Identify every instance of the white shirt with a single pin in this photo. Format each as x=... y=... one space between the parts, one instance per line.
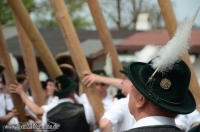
x=106 y=101
x=118 y=114
x=89 y=114
x=192 y=118
x=154 y=120
x=184 y=122
x=77 y=98
x=181 y=121
x=52 y=99
x=6 y=103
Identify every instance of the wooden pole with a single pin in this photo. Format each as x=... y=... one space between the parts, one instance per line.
x=30 y=64
x=76 y=52
x=171 y=24
x=35 y=37
x=105 y=36
x=10 y=78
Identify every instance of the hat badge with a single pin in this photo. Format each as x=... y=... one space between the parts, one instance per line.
x=58 y=86
x=165 y=83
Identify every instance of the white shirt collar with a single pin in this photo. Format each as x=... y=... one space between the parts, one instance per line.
x=65 y=100
x=154 y=120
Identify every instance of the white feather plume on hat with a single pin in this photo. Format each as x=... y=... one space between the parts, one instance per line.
x=108 y=68
x=175 y=48
x=42 y=76
x=14 y=63
x=146 y=54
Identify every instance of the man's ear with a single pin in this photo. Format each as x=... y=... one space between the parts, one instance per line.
x=141 y=101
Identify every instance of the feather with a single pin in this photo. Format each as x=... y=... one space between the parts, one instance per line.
x=42 y=76
x=176 y=47
x=146 y=54
x=108 y=68
x=14 y=63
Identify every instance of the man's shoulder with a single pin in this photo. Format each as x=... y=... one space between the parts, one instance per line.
x=156 y=128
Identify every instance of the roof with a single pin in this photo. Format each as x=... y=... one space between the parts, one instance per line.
x=156 y=37
x=55 y=40
x=92 y=46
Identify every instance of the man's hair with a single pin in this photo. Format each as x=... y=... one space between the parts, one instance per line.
x=49 y=80
x=3 y=79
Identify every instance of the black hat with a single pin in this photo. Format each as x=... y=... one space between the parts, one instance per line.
x=64 y=86
x=44 y=84
x=168 y=91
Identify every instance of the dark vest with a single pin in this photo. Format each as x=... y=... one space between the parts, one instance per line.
x=158 y=128
x=70 y=116
x=195 y=129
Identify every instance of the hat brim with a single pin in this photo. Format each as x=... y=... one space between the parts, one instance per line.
x=186 y=107
x=64 y=93
x=68 y=70
x=62 y=58
x=124 y=72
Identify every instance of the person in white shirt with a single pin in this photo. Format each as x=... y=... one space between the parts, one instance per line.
x=101 y=87
x=70 y=116
x=117 y=115
x=50 y=88
x=7 y=113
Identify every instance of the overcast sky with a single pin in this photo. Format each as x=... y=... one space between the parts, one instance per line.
x=185 y=8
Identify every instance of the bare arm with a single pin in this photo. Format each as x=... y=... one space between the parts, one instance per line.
x=16 y=88
x=105 y=125
x=91 y=78
x=7 y=117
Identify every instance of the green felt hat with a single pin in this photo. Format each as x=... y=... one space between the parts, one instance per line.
x=124 y=72
x=64 y=86
x=168 y=91
x=100 y=72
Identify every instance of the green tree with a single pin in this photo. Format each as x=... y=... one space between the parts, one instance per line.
x=6 y=17
x=45 y=17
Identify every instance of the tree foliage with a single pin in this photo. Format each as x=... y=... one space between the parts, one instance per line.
x=46 y=17
x=43 y=14
x=124 y=13
x=6 y=17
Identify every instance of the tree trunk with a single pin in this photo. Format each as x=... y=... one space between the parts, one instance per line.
x=170 y=21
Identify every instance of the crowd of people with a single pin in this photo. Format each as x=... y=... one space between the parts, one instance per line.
x=153 y=96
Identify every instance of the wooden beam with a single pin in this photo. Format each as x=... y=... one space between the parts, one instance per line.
x=30 y=64
x=35 y=37
x=10 y=78
x=76 y=52
x=105 y=36
x=171 y=24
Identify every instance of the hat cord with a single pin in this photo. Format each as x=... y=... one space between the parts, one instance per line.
x=151 y=93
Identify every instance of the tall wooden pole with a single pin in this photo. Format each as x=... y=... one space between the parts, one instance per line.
x=30 y=64
x=171 y=24
x=10 y=78
x=105 y=36
x=35 y=37
x=76 y=52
